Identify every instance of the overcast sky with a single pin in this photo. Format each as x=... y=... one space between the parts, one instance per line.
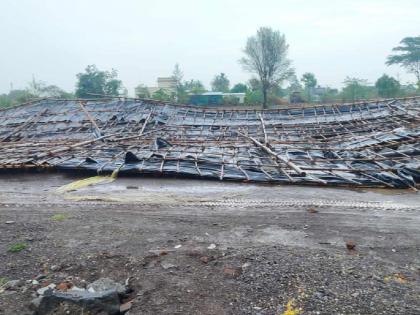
x=55 y=39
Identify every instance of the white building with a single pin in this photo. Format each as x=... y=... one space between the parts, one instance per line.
x=167 y=84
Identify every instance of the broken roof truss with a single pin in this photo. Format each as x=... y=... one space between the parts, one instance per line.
x=372 y=144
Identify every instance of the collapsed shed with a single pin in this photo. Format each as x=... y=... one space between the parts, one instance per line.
x=374 y=144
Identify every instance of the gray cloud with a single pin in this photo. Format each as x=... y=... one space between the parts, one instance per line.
x=54 y=40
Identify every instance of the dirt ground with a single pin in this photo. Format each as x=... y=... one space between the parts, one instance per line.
x=206 y=247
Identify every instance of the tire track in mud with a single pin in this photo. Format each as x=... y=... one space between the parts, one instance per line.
x=306 y=203
x=238 y=203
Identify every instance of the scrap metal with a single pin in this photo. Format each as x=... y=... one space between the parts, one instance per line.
x=362 y=144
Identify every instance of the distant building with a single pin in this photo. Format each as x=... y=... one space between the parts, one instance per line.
x=217 y=98
x=240 y=97
x=208 y=98
x=167 y=84
x=296 y=97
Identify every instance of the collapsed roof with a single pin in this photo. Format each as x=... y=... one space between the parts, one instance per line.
x=372 y=144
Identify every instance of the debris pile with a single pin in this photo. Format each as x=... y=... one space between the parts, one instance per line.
x=104 y=296
x=365 y=144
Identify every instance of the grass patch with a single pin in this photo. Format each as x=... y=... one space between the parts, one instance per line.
x=15 y=248
x=59 y=217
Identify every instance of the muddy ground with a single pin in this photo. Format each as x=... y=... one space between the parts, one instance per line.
x=200 y=247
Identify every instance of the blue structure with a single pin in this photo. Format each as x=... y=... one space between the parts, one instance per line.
x=207 y=99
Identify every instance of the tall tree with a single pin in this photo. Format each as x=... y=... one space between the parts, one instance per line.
x=161 y=95
x=178 y=75
x=295 y=85
x=34 y=89
x=194 y=86
x=220 y=83
x=355 y=89
x=254 y=84
x=309 y=81
x=5 y=101
x=239 y=88
x=295 y=90
x=94 y=82
x=329 y=95
x=38 y=88
x=142 y=91
x=408 y=56
x=15 y=97
x=253 y=97
x=387 y=86
x=266 y=55
x=56 y=92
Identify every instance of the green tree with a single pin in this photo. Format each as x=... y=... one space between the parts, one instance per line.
x=408 y=56
x=114 y=87
x=277 y=91
x=142 y=91
x=330 y=95
x=387 y=86
x=20 y=96
x=181 y=93
x=220 y=83
x=355 y=89
x=161 y=95
x=309 y=81
x=35 y=89
x=254 y=84
x=230 y=100
x=5 y=101
x=56 y=92
x=254 y=93
x=253 y=97
x=295 y=90
x=239 y=88
x=15 y=97
x=178 y=75
x=94 y=82
x=266 y=55
x=295 y=85
x=39 y=89
x=194 y=87
x=408 y=90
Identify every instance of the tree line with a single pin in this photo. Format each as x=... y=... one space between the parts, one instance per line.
x=266 y=58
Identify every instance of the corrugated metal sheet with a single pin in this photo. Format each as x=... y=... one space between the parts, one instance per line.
x=362 y=144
